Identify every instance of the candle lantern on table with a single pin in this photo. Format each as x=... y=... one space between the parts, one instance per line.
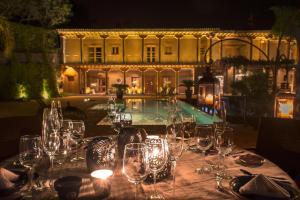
x=284 y=103
x=209 y=92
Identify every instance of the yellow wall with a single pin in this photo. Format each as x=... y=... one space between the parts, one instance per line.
x=188 y=48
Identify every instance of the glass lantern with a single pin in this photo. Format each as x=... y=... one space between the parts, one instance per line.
x=284 y=103
x=209 y=92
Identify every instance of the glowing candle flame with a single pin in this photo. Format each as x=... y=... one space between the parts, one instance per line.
x=102 y=173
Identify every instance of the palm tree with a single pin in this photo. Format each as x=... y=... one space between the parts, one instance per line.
x=287 y=23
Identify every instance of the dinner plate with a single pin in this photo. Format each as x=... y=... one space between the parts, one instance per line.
x=250 y=160
x=236 y=183
x=21 y=182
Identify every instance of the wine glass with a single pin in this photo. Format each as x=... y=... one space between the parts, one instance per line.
x=204 y=134
x=50 y=135
x=220 y=114
x=56 y=105
x=65 y=134
x=157 y=158
x=135 y=163
x=77 y=135
x=175 y=139
x=189 y=126
x=30 y=154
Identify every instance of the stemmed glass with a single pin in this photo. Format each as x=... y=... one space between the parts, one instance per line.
x=175 y=139
x=50 y=135
x=204 y=134
x=30 y=154
x=220 y=114
x=56 y=107
x=189 y=126
x=77 y=135
x=224 y=145
x=135 y=163
x=65 y=133
x=157 y=158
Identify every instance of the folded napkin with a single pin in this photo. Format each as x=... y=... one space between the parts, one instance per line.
x=264 y=186
x=6 y=179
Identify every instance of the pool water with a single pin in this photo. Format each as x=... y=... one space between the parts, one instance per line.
x=155 y=112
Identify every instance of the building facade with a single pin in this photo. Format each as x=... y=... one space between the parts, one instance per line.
x=154 y=60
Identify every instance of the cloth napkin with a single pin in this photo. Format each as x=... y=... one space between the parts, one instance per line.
x=264 y=186
x=6 y=179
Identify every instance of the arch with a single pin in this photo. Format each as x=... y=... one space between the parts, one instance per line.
x=235 y=39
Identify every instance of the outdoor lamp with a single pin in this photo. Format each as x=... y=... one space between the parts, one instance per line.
x=70 y=73
x=284 y=103
x=209 y=92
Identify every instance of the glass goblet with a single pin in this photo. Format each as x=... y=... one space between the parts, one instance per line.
x=175 y=139
x=77 y=135
x=204 y=134
x=30 y=154
x=157 y=158
x=135 y=163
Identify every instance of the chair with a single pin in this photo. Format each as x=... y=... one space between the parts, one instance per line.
x=279 y=141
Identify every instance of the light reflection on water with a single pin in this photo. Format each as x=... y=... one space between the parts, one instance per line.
x=155 y=112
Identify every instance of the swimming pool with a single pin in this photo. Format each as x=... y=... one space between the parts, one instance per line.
x=155 y=112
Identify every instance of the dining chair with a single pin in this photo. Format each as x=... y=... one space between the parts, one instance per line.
x=279 y=141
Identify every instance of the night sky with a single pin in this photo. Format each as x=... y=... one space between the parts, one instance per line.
x=225 y=14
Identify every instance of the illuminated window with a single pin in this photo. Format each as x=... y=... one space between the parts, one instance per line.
x=150 y=54
x=168 y=50
x=95 y=54
x=115 y=51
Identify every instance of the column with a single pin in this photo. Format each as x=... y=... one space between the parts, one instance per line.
x=221 y=46
x=197 y=36
x=124 y=69
x=104 y=36
x=288 y=48
x=81 y=37
x=123 y=47
x=79 y=80
x=251 y=47
x=178 y=36
x=158 y=69
x=211 y=36
x=106 y=70
x=142 y=70
x=159 y=36
x=143 y=45
x=176 y=79
x=63 y=48
x=84 y=80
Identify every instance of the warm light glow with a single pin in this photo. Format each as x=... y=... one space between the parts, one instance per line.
x=45 y=93
x=209 y=99
x=70 y=72
x=22 y=92
x=285 y=109
x=102 y=174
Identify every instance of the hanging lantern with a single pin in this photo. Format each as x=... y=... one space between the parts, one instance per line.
x=209 y=92
x=284 y=103
x=70 y=73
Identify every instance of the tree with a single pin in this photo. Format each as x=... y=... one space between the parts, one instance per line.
x=254 y=88
x=287 y=23
x=46 y=13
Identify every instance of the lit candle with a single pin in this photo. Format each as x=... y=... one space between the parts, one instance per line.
x=209 y=99
x=102 y=174
x=101 y=182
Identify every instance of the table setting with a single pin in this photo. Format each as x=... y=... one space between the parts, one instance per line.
x=183 y=161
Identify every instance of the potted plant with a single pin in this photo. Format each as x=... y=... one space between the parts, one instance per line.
x=120 y=88
x=188 y=91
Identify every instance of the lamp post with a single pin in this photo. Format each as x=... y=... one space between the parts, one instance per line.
x=209 y=92
x=284 y=103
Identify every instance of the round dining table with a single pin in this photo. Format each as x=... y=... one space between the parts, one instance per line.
x=189 y=183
